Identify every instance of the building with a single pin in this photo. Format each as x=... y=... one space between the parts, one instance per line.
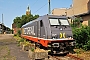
x=14 y=27
x=28 y=11
x=59 y=11
x=80 y=8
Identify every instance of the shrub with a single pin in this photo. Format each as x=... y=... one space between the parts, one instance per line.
x=82 y=37
x=87 y=46
x=21 y=40
x=19 y=33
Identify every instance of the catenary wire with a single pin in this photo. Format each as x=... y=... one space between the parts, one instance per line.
x=41 y=7
x=34 y=4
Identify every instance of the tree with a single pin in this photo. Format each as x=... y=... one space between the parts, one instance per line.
x=36 y=16
x=19 y=21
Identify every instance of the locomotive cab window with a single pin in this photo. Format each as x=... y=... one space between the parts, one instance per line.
x=58 y=21
x=64 y=21
x=41 y=23
x=54 y=22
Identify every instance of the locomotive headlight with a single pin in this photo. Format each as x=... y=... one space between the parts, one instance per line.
x=70 y=37
x=61 y=28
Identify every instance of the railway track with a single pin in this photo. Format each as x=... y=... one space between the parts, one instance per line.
x=67 y=57
x=74 y=57
x=63 y=57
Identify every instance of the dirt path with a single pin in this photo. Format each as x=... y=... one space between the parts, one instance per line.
x=9 y=49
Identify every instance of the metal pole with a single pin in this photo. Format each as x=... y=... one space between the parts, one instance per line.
x=73 y=18
x=49 y=11
x=2 y=18
x=73 y=9
x=2 y=24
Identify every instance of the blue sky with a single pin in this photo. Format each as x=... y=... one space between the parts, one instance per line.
x=13 y=8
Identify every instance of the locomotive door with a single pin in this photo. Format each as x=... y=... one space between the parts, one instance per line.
x=40 y=24
x=38 y=27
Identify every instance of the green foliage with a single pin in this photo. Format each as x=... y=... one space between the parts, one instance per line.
x=87 y=46
x=88 y=22
x=32 y=49
x=76 y=22
x=19 y=21
x=21 y=40
x=19 y=33
x=82 y=36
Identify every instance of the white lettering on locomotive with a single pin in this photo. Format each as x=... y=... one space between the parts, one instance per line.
x=29 y=30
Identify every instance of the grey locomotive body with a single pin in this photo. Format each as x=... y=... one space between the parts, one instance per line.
x=50 y=31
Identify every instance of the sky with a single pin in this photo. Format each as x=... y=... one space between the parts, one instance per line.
x=16 y=8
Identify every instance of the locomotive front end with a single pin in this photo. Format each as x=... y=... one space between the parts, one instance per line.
x=61 y=35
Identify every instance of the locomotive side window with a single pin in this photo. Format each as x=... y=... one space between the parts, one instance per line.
x=41 y=23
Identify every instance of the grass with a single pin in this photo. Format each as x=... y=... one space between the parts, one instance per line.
x=82 y=54
x=17 y=37
x=5 y=53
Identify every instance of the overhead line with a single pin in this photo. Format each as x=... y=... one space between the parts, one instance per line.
x=34 y=3
x=40 y=7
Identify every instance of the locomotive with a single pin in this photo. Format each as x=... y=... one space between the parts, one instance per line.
x=50 y=31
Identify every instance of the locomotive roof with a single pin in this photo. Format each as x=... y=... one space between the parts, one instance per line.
x=56 y=16
x=31 y=21
x=42 y=17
